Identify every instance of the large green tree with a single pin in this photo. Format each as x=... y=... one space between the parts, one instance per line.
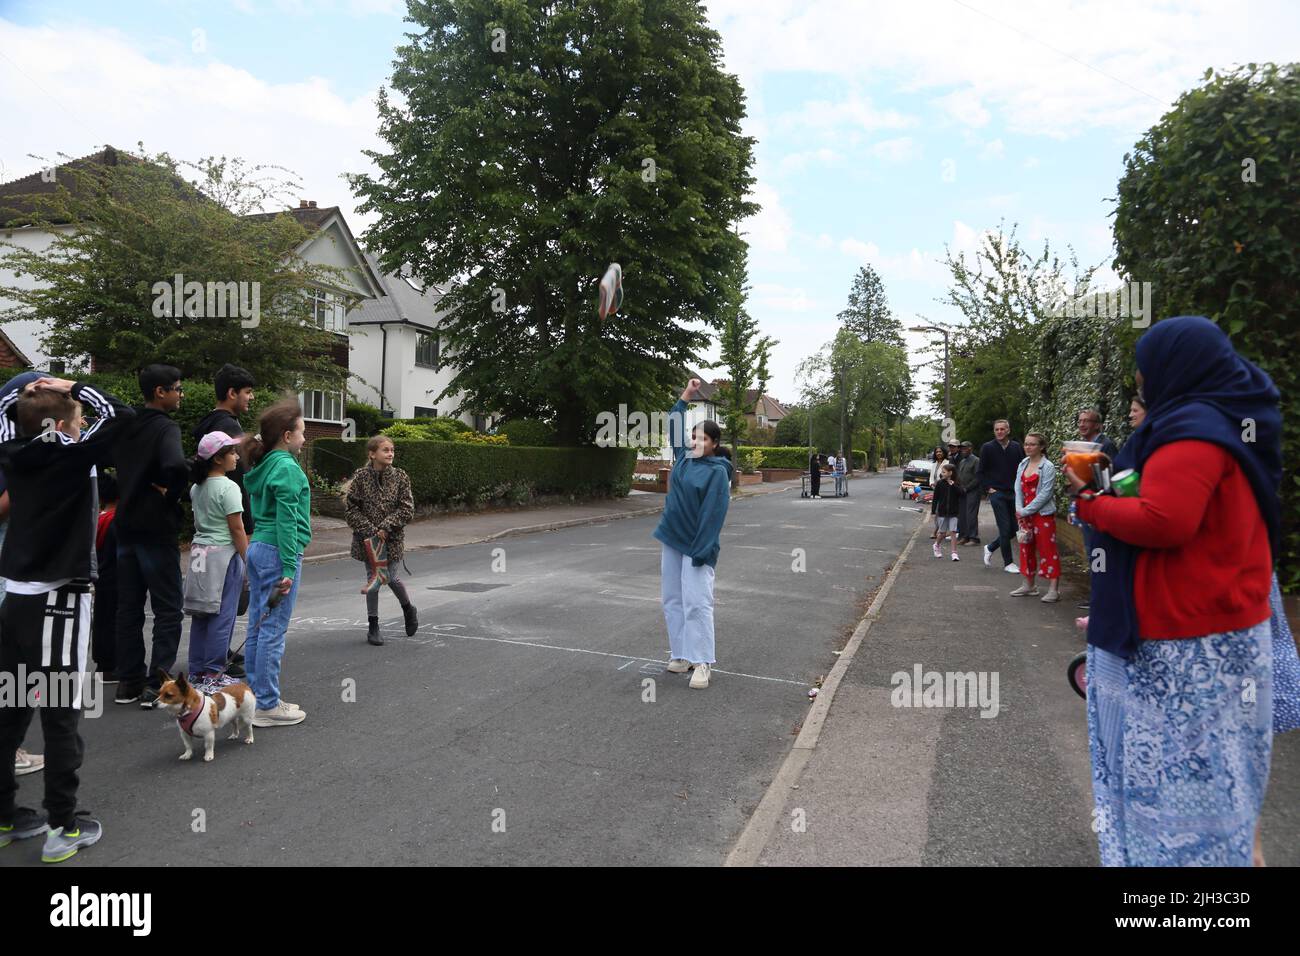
x=529 y=144
x=867 y=314
x=1208 y=212
x=139 y=221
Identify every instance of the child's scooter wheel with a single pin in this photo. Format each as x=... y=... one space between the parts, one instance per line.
x=1077 y=673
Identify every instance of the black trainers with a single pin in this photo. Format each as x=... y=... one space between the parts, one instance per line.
x=412 y=620
x=148 y=698
x=26 y=823
x=128 y=691
x=235 y=666
x=372 y=634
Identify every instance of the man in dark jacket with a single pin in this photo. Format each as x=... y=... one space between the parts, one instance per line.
x=999 y=460
x=152 y=474
x=234 y=388
x=968 y=531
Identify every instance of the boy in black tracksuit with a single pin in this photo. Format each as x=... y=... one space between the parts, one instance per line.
x=152 y=475
x=49 y=565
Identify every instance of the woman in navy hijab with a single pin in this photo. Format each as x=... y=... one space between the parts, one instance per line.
x=1179 y=660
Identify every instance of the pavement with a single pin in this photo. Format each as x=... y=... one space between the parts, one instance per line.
x=885 y=785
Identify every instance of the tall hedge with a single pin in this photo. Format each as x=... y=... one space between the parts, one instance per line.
x=445 y=473
x=1208 y=211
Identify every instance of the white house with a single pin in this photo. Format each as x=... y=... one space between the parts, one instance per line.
x=397 y=362
x=704 y=408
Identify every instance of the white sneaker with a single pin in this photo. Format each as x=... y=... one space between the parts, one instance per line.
x=954 y=556
x=1012 y=568
x=700 y=679
x=278 y=716
x=988 y=557
x=1025 y=590
x=938 y=552
x=1051 y=597
x=678 y=666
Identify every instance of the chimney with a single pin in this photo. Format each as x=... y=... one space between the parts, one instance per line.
x=312 y=204
x=302 y=204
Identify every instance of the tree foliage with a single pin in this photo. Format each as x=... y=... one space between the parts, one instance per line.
x=529 y=144
x=867 y=314
x=138 y=222
x=1003 y=291
x=1208 y=211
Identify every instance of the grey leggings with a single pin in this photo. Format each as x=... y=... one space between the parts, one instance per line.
x=394 y=582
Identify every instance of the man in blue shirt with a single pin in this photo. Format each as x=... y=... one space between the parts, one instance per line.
x=999 y=460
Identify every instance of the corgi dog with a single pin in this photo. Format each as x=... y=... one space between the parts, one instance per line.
x=200 y=715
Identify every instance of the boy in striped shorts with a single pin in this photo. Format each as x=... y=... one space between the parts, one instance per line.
x=48 y=563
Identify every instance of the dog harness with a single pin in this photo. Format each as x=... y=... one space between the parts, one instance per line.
x=187 y=718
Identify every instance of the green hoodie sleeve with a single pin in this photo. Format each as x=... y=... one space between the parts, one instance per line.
x=292 y=496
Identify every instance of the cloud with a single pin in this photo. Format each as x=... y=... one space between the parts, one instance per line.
x=769 y=230
x=798 y=162
x=1058 y=70
x=992 y=150
x=78 y=88
x=895 y=150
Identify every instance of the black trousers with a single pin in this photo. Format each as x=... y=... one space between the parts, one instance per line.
x=50 y=634
x=968 y=517
x=151 y=568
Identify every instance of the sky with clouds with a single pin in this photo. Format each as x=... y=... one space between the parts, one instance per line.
x=886 y=131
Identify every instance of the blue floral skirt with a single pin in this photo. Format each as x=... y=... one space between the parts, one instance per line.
x=1181 y=736
x=1286 y=668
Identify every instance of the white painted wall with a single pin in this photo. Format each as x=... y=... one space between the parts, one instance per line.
x=27 y=334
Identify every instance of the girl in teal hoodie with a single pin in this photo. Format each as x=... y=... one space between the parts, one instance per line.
x=281 y=501
x=699 y=491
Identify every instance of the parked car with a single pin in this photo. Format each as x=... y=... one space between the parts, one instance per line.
x=918 y=469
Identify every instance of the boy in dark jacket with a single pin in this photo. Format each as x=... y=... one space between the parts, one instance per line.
x=49 y=563
x=234 y=387
x=152 y=475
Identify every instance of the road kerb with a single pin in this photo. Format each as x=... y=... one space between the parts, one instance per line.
x=758 y=832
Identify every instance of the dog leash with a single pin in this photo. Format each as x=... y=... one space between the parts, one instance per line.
x=271 y=602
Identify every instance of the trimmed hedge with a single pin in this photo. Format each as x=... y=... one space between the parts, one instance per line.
x=787 y=456
x=528 y=432
x=445 y=473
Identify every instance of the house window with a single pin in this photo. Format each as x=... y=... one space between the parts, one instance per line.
x=426 y=350
x=423 y=412
x=58 y=367
x=321 y=406
x=328 y=311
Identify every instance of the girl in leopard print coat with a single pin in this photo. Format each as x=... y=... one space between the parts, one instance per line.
x=379 y=506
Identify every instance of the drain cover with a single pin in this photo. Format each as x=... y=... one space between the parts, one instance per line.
x=473 y=587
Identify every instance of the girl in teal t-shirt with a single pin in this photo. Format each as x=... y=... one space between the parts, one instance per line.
x=215 y=576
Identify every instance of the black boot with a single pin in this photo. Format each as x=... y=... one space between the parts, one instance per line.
x=412 y=621
x=373 y=636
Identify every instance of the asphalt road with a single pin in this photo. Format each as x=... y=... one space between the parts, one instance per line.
x=514 y=728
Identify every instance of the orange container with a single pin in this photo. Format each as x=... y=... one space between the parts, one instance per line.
x=1080 y=456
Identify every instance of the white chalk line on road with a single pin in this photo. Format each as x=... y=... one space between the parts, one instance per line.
x=548 y=647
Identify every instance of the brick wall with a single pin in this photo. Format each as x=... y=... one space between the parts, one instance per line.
x=322 y=430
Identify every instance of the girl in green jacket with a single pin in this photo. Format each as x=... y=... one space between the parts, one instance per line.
x=281 y=501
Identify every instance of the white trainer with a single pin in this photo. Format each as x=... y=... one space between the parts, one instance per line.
x=938 y=552
x=281 y=715
x=988 y=557
x=1012 y=568
x=1025 y=591
x=700 y=679
x=954 y=556
x=678 y=665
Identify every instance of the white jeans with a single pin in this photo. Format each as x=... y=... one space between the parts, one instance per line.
x=688 y=606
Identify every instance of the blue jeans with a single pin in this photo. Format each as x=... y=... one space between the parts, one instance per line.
x=1003 y=504
x=264 y=648
x=210 y=633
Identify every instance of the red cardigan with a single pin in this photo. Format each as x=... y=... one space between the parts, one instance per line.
x=1206 y=565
